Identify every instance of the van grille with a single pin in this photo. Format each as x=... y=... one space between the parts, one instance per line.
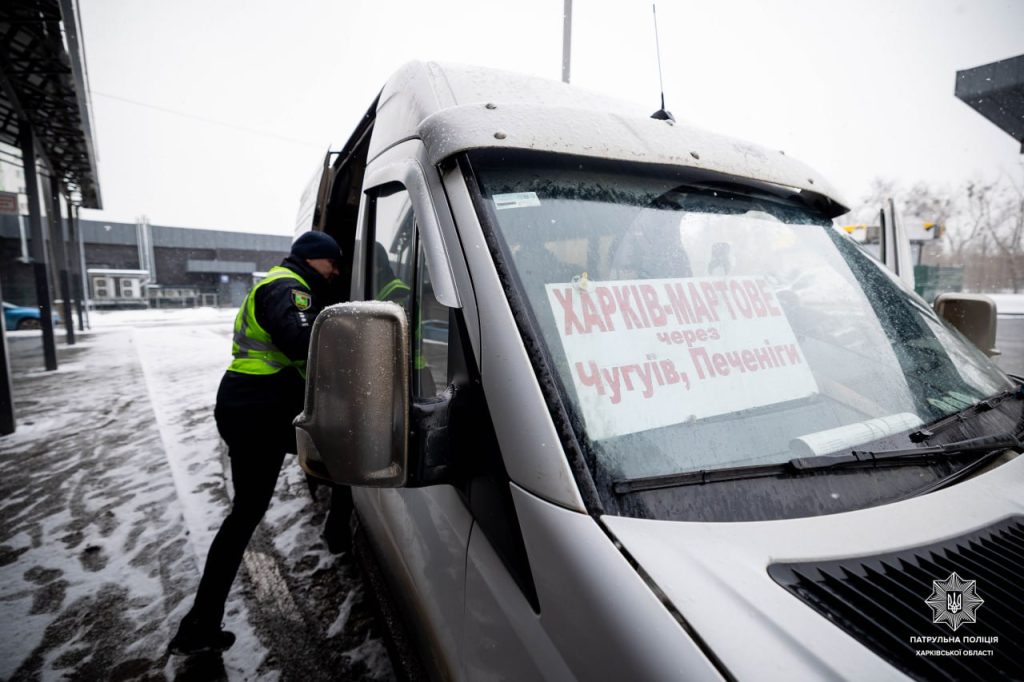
x=880 y=601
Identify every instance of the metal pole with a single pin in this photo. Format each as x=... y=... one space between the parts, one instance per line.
x=60 y=256
x=140 y=242
x=75 y=258
x=24 y=238
x=28 y=157
x=7 y=421
x=150 y=252
x=566 y=40
x=82 y=264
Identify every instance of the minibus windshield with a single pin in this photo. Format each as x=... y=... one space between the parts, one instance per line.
x=697 y=323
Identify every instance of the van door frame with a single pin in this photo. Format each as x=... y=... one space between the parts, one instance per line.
x=418 y=536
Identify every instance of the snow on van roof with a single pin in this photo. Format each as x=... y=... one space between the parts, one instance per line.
x=455 y=108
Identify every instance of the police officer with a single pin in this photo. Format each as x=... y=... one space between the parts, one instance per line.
x=261 y=392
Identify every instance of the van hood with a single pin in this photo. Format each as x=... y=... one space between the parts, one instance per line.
x=735 y=585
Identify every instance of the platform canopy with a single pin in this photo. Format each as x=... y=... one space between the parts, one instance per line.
x=44 y=82
x=996 y=91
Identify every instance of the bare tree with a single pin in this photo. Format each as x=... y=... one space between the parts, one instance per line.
x=866 y=211
x=935 y=205
x=975 y=219
x=1005 y=225
x=982 y=221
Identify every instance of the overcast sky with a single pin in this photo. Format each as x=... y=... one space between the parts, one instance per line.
x=855 y=89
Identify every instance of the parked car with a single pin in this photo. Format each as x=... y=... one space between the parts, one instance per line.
x=17 y=317
x=680 y=426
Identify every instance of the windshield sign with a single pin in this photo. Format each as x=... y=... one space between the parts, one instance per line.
x=642 y=349
x=696 y=325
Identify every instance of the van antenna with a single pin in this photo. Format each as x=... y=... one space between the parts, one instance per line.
x=661 y=114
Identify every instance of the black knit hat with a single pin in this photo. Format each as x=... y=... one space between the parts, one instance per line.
x=316 y=245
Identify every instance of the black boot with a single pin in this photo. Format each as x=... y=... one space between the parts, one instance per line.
x=195 y=637
x=337 y=531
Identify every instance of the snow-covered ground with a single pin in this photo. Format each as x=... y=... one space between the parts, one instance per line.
x=1008 y=304
x=104 y=319
x=111 y=490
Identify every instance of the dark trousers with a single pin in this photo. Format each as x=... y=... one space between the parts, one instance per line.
x=257 y=440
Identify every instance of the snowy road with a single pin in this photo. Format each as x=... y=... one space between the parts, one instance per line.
x=110 y=492
x=1010 y=342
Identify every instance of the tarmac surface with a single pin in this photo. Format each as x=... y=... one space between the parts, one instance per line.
x=110 y=491
x=1010 y=342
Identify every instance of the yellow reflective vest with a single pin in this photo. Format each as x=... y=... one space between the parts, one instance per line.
x=393 y=291
x=252 y=347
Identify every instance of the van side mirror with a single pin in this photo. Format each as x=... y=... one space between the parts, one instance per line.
x=354 y=427
x=974 y=316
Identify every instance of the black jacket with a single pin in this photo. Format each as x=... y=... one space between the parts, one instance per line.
x=289 y=325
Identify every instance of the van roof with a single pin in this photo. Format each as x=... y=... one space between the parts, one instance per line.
x=455 y=108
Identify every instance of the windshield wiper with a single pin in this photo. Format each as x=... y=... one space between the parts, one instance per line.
x=804 y=465
x=960 y=416
x=960 y=447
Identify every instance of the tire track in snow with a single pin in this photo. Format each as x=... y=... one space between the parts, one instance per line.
x=192 y=502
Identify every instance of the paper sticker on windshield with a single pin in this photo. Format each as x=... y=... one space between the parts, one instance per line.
x=655 y=352
x=515 y=200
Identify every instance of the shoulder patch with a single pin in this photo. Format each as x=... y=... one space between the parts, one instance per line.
x=301 y=299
